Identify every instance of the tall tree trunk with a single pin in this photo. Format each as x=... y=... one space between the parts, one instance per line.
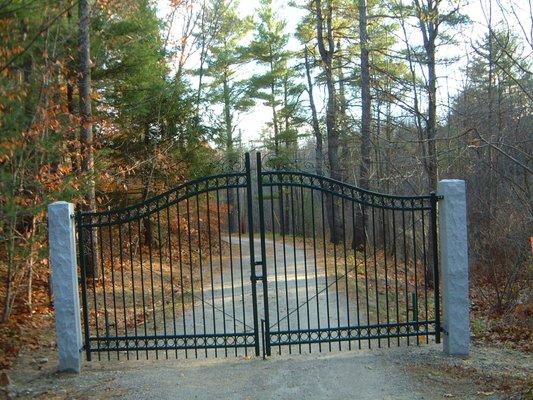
x=147 y=224
x=288 y=204
x=432 y=150
x=273 y=105
x=359 y=238
x=72 y=147
x=86 y=131
x=326 y=54
x=319 y=154
x=490 y=116
x=286 y=121
x=429 y=30
x=429 y=35
x=230 y=154
x=432 y=120
x=202 y=58
x=343 y=122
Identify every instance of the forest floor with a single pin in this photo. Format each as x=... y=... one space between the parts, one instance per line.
x=393 y=373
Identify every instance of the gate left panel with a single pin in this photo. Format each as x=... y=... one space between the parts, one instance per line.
x=170 y=277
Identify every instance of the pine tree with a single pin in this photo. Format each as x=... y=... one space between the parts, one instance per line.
x=226 y=87
x=276 y=85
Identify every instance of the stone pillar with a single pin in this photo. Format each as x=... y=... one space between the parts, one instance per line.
x=453 y=246
x=62 y=247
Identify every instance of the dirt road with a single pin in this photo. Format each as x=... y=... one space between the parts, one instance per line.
x=396 y=373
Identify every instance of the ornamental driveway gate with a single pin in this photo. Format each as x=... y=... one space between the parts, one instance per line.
x=260 y=260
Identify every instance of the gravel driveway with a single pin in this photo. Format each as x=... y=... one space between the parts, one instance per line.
x=397 y=373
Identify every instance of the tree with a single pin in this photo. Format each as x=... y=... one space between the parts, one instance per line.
x=86 y=132
x=433 y=16
x=86 y=128
x=319 y=154
x=35 y=165
x=276 y=85
x=365 y=98
x=490 y=149
x=326 y=48
x=226 y=87
x=209 y=29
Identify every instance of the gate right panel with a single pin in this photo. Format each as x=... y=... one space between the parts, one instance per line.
x=347 y=268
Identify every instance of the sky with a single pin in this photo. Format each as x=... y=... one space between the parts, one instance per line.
x=450 y=78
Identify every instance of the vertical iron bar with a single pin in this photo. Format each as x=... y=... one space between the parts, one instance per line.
x=221 y=268
x=79 y=225
x=375 y=271
x=182 y=280
x=106 y=317
x=415 y=305
x=356 y=272
x=334 y=234
x=274 y=251
x=96 y=308
x=283 y=233
x=315 y=264
x=435 y=265
x=241 y=266
x=240 y=231
x=252 y=250
x=230 y=232
x=121 y=258
x=425 y=268
x=396 y=276
x=346 y=291
x=152 y=287
x=159 y=241
x=384 y=230
x=305 y=261
x=325 y=266
x=210 y=245
x=263 y=337
x=133 y=286
x=200 y=264
x=406 y=274
x=142 y=284
x=263 y=252
x=189 y=237
x=365 y=264
x=169 y=241
x=113 y=283
x=293 y=231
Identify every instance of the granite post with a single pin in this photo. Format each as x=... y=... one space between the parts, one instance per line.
x=453 y=246
x=62 y=247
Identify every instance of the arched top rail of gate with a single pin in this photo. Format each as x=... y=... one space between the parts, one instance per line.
x=164 y=200
x=283 y=178
x=270 y=177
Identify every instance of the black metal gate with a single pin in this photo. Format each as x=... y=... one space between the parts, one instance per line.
x=178 y=274
x=347 y=267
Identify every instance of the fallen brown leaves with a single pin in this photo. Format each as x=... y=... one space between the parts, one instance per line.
x=23 y=330
x=488 y=372
x=511 y=329
x=490 y=383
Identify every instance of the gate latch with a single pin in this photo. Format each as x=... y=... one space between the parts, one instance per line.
x=258 y=277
